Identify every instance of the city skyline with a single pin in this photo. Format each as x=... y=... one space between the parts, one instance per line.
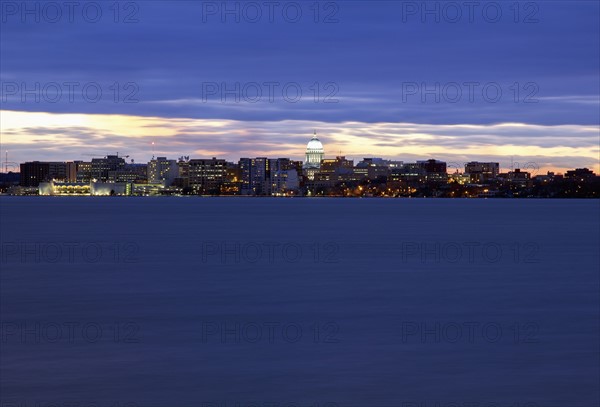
x=315 y=176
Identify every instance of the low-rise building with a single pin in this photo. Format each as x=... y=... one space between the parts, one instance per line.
x=52 y=188
x=482 y=171
x=372 y=168
x=580 y=174
x=110 y=188
x=435 y=171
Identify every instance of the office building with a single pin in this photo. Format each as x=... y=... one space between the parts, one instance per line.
x=162 y=171
x=101 y=167
x=206 y=176
x=34 y=172
x=482 y=171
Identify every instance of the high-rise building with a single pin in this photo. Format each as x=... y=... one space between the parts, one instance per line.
x=32 y=173
x=70 y=172
x=102 y=166
x=183 y=165
x=233 y=180
x=254 y=175
x=314 y=156
x=83 y=171
x=245 y=168
x=183 y=177
x=132 y=173
x=206 y=176
x=283 y=176
x=162 y=171
x=268 y=176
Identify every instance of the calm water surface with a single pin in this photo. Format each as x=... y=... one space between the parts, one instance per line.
x=221 y=302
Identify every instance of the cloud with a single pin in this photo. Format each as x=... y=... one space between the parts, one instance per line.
x=171 y=51
x=577 y=99
x=73 y=136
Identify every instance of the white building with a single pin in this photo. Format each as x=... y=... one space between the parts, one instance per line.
x=110 y=188
x=314 y=156
x=63 y=188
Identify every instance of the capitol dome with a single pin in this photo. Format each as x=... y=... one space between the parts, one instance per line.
x=314 y=153
x=314 y=145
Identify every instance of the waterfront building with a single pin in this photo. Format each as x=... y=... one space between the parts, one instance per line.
x=268 y=176
x=71 y=172
x=63 y=188
x=283 y=177
x=254 y=174
x=206 y=176
x=182 y=180
x=233 y=180
x=183 y=165
x=101 y=167
x=148 y=189
x=132 y=173
x=34 y=172
x=83 y=171
x=110 y=188
x=162 y=171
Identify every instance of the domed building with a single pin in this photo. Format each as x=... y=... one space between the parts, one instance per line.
x=314 y=156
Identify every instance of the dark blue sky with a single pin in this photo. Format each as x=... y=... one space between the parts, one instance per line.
x=369 y=60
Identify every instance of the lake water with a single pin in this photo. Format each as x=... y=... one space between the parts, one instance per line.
x=220 y=302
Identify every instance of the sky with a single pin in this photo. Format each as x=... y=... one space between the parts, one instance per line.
x=506 y=81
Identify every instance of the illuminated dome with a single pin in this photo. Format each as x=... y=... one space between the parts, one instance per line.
x=314 y=153
x=314 y=145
